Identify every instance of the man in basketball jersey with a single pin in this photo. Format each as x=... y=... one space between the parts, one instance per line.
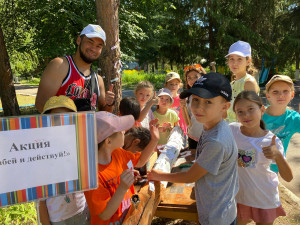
x=73 y=77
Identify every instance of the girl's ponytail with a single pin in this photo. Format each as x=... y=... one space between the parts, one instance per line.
x=262 y=124
x=251 y=69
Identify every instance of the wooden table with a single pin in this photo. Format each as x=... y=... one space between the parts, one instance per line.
x=178 y=200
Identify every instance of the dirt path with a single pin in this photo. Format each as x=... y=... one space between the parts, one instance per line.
x=23 y=89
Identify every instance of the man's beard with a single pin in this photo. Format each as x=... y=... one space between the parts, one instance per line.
x=84 y=57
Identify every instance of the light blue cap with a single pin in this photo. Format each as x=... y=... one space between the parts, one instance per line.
x=240 y=48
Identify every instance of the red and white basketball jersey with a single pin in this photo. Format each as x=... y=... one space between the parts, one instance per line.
x=76 y=85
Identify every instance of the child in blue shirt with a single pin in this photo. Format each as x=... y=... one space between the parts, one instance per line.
x=279 y=119
x=215 y=169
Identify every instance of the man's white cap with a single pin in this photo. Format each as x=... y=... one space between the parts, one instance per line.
x=94 y=31
x=240 y=48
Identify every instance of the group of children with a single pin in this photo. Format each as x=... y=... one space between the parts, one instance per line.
x=240 y=144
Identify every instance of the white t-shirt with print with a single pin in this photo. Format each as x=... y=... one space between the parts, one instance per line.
x=258 y=184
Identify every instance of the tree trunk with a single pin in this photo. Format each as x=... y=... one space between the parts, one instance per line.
x=211 y=38
x=146 y=68
x=163 y=65
x=156 y=66
x=109 y=62
x=7 y=89
x=297 y=66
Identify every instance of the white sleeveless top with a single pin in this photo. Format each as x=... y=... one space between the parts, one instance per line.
x=64 y=207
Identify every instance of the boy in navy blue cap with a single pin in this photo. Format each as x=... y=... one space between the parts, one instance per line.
x=215 y=170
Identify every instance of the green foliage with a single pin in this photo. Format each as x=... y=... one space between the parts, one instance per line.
x=130 y=32
x=58 y=23
x=290 y=71
x=34 y=81
x=18 y=214
x=36 y=30
x=135 y=77
x=18 y=36
x=289 y=19
x=173 y=32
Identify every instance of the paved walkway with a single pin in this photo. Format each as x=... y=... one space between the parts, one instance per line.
x=23 y=89
x=32 y=90
x=293 y=158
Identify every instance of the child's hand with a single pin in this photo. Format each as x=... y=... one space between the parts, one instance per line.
x=167 y=125
x=271 y=152
x=126 y=179
x=154 y=100
x=153 y=175
x=182 y=103
x=161 y=129
x=137 y=175
x=154 y=129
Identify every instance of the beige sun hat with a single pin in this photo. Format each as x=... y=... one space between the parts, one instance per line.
x=172 y=76
x=59 y=102
x=277 y=78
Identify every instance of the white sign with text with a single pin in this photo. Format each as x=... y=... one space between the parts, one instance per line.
x=36 y=157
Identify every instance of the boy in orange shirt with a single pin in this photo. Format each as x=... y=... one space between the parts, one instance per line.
x=110 y=202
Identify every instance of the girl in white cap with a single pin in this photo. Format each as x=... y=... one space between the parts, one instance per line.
x=167 y=118
x=240 y=64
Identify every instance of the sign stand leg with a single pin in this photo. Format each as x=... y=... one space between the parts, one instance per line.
x=37 y=205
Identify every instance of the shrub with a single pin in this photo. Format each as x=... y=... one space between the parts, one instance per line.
x=132 y=77
x=19 y=214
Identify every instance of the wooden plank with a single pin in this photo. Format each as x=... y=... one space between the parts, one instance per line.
x=142 y=213
x=178 y=200
x=176 y=214
x=151 y=161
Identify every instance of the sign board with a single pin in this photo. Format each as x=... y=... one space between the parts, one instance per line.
x=43 y=156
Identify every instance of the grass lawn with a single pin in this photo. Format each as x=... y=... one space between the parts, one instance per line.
x=34 y=81
x=23 y=100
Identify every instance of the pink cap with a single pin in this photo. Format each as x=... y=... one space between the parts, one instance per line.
x=108 y=124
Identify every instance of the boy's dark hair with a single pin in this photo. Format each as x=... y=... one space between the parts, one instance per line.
x=141 y=133
x=130 y=106
x=252 y=97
